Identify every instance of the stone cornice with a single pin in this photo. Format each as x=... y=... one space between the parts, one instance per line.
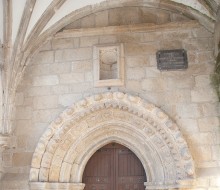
x=125 y=28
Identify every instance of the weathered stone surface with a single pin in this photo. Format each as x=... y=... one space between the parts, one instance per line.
x=140 y=49
x=69 y=99
x=73 y=54
x=202 y=153
x=38 y=70
x=209 y=124
x=101 y=19
x=19 y=99
x=124 y=16
x=45 y=102
x=203 y=95
x=82 y=66
x=88 y=41
x=135 y=74
x=133 y=86
x=65 y=43
x=154 y=84
x=59 y=68
x=137 y=61
x=22 y=159
x=177 y=97
x=71 y=78
x=186 y=96
x=189 y=111
x=211 y=109
x=110 y=39
x=202 y=80
x=88 y=22
x=46 y=80
x=189 y=125
x=44 y=116
x=152 y=72
x=44 y=57
x=216 y=155
x=24 y=112
x=39 y=90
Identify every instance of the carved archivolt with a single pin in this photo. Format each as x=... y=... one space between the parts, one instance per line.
x=69 y=142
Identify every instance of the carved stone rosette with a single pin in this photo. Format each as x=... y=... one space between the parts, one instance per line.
x=68 y=143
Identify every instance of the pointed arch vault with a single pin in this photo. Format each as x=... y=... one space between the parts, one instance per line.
x=69 y=142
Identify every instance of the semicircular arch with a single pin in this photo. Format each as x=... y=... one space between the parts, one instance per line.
x=68 y=143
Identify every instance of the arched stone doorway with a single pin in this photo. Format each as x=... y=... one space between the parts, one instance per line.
x=69 y=142
x=114 y=167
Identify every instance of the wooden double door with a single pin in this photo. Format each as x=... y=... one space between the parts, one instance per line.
x=114 y=167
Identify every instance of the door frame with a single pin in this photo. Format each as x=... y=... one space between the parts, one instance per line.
x=114 y=148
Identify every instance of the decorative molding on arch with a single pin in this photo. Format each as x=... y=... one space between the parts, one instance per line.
x=69 y=142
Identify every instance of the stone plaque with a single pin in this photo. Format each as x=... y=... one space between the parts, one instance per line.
x=172 y=59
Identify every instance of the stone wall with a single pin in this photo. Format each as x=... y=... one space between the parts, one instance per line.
x=62 y=73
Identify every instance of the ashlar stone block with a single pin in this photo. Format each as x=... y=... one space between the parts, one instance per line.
x=209 y=124
x=60 y=68
x=46 y=80
x=101 y=19
x=88 y=22
x=44 y=57
x=88 y=41
x=154 y=84
x=137 y=61
x=24 y=112
x=22 y=159
x=189 y=111
x=203 y=95
x=45 y=102
x=135 y=73
x=202 y=80
x=72 y=78
x=73 y=54
x=38 y=90
x=64 y=43
x=69 y=99
x=133 y=85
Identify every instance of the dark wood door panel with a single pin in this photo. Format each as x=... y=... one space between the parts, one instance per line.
x=98 y=174
x=114 y=167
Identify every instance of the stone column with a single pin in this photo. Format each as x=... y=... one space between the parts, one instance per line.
x=1 y=89
x=4 y=143
x=217 y=33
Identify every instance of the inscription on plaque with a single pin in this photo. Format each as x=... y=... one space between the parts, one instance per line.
x=172 y=59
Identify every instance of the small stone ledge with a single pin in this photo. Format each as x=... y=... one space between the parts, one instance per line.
x=56 y=186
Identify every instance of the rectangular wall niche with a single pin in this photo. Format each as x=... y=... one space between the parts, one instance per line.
x=108 y=63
